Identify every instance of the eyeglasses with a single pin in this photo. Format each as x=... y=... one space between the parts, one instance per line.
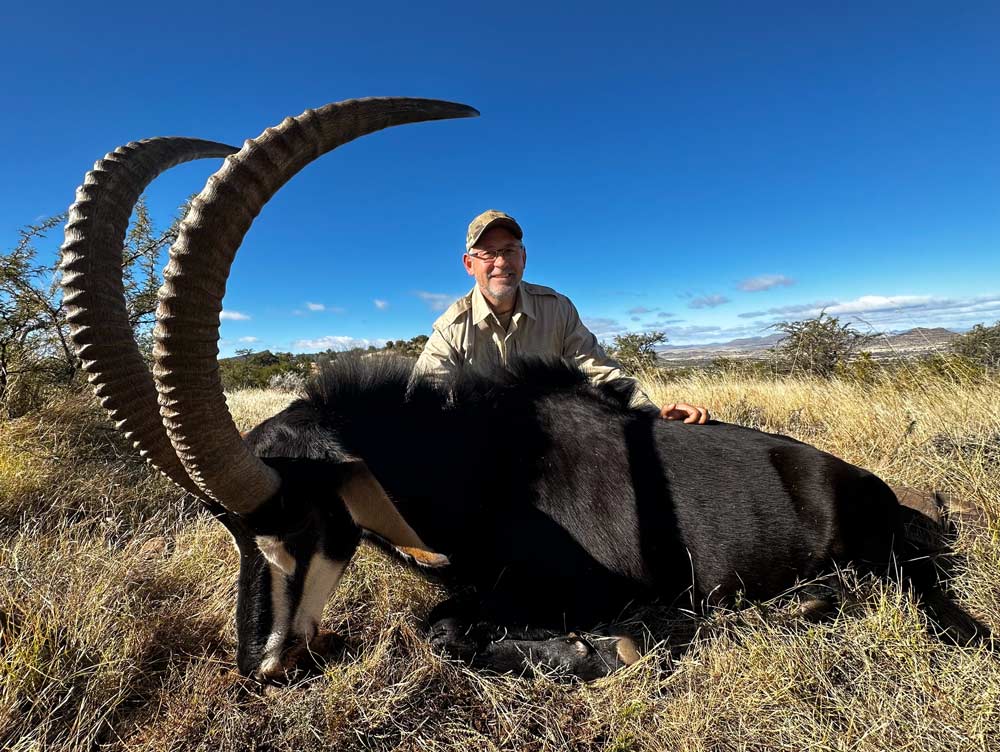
x=492 y=255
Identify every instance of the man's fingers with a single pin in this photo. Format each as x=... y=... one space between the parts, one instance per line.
x=683 y=411
x=697 y=415
x=690 y=414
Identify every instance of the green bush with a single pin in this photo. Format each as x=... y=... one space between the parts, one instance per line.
x=863 y=369
x=634 y=352
x=817 y=347
x=250 y=370
x=410 y=348
x=981 y=345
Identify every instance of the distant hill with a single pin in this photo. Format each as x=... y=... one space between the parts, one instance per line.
x=917 y=341
x=744 y=345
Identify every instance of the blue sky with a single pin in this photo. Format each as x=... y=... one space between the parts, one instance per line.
x=702 y=171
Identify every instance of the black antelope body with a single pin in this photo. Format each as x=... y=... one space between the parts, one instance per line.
x=548 y=499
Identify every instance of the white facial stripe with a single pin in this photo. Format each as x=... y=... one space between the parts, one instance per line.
x=322 y=576
x=276 y=553
x=280 y=613
x=321 y=579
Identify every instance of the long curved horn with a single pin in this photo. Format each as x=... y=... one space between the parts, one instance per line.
x=94 y=294
x=186 y=336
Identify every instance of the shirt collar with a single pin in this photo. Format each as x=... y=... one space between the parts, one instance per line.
x=525 y=301
x=481 y=309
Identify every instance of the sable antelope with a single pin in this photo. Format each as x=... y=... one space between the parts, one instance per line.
x=568 y=506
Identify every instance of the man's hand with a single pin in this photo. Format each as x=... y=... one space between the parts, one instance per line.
x=684 y=411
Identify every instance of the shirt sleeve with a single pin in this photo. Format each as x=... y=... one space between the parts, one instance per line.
x=439 y=358
x=581 y=347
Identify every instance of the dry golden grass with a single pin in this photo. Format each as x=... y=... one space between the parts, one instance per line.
x=252 y=406
x=116 y=603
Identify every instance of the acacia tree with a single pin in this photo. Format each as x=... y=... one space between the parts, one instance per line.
x=35 y=351
x=33 y=333
x=635 y=351
x=818 y=346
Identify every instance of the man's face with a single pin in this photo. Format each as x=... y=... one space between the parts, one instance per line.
x=497 y=279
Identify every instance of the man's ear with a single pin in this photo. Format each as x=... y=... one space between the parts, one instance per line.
x=468 y=261
x=372 y=510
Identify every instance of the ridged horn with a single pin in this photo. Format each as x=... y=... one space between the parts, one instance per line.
x=94 y=294
x=187 y=331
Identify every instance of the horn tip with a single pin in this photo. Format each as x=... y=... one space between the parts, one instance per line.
x=468 y=111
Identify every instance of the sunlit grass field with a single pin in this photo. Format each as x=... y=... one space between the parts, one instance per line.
x=116 y=610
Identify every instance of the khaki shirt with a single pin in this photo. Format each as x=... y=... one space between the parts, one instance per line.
x=544 y=323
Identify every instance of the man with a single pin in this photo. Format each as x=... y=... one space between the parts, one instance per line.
x=503 y=317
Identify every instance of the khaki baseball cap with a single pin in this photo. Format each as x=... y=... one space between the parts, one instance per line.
x=486 y=220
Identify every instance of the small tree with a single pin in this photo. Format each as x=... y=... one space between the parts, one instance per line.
x=635 y=351
x=981 y=345
x=818 y=346
x=36 y=354
x=34 y=346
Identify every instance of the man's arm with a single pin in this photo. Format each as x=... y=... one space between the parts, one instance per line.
x=439 y=358
x=581 y=347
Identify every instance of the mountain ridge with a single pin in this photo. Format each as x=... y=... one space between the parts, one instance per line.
x=916 y=341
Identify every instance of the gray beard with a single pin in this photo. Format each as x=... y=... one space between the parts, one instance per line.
x=505 y=294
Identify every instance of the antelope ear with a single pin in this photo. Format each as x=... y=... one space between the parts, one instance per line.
x=373 y=510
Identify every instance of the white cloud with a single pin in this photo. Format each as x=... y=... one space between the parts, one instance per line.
x=668 y=315
x=695 y=331
x=381 y=304
x=708 y=301
x=807 y=308
x=437 y=301
x=638 y=310
x=318 y=308
x=907 y=311
x=233 y=316
x=334 y=342
x=603 y=327
x=876 y=303
x=765 y=282
x=249 y=339
x=895 y=311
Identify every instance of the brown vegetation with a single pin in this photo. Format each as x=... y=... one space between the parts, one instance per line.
x=116 y=603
